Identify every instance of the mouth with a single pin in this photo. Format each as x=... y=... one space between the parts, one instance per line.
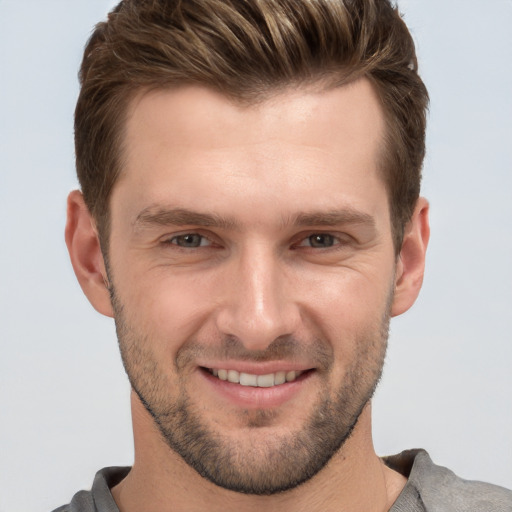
x=258 y=386
x=268 y=380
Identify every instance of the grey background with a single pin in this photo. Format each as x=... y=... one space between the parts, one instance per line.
x=64 y=399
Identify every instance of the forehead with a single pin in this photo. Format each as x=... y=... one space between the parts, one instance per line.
x=192 y=144
x=319 y=115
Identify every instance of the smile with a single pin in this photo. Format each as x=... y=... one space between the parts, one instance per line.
x=261 y=381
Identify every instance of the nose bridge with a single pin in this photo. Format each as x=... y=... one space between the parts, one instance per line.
x=258 y=309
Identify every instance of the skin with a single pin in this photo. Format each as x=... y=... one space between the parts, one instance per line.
x=271 y=177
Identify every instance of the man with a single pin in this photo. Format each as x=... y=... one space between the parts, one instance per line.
x=250 y=216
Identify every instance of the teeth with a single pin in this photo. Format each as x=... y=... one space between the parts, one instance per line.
x=246 y=379
x=279 y=378
x=261 y=381
x=233 y=376
x=266 y=381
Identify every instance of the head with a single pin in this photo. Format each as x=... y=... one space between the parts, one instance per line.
x=251 y=170
x=249 y=51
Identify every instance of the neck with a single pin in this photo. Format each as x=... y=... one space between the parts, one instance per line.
x=354 y=480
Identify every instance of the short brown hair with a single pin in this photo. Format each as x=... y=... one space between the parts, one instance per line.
x=247 y=50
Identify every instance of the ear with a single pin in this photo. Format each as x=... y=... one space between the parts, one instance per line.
x=85 y=253
x=411 y=261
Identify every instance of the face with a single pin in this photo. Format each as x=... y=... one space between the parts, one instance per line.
x=252 y=272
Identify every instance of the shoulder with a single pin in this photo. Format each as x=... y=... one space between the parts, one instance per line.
x=440 y=490
x=99 y=498
x=82 y=502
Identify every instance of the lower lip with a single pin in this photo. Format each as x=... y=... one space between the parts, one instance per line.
x=251 y=397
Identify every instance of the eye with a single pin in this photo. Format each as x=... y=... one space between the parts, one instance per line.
x=189 y=240
x=320 y=241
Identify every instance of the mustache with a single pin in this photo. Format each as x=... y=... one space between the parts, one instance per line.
x=317 y=353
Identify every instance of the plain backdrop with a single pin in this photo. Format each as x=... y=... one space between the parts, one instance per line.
x=447 y=386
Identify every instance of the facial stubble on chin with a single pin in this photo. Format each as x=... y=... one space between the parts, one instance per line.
x=275 y=464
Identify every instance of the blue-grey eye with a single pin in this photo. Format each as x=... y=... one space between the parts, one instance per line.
x=190 y=240
x=321 y=240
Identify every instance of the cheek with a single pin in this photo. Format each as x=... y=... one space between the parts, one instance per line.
x=167 y=307
x=350 y=312
x=171 y=306
x=348 y=298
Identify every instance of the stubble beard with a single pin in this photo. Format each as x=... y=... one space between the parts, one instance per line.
x=275 y=464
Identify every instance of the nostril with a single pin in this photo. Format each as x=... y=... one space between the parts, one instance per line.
x=256 y=332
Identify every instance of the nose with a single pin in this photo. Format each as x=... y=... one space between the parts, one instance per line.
x=258 y=304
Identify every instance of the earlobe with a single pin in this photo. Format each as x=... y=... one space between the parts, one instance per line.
x=85 y=253
x=410 y=266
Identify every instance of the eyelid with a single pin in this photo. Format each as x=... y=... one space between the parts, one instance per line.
x=340 y=239
x=170 y=238
x=300 y=240
x=202 y=240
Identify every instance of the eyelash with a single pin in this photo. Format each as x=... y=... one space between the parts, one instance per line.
x=171 y=241
x=333 y=241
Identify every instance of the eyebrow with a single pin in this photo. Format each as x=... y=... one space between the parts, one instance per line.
x=158 y=216
x=334 y=218
x=152 y=216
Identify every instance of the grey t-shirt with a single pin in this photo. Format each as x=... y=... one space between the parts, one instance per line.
x=429 y=488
